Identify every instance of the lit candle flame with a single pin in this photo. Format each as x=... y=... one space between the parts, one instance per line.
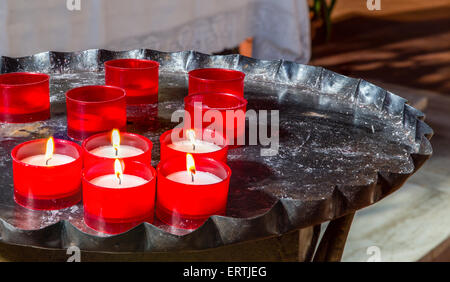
x=118 y=170
x=115 y=138
x=49 y=150
x=191 y=136
x=190 y=165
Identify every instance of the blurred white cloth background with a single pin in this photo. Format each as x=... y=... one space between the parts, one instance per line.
x=280 y=28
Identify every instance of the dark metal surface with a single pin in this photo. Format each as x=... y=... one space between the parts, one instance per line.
x=344 y=144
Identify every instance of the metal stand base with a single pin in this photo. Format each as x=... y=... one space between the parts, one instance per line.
x=332 y=244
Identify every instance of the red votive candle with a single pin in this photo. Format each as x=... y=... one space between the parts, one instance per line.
x=42 y=185
x=222 y=111
x=200 y=143
x=94 y=109
x=115 y=202
x=24 y=97
x=184 y=200
x=106 y=147
x=138 y=77
x=216 y=80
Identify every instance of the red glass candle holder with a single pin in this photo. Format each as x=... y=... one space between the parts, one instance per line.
x=47 y=187
x=216 y=80
x=94 y=109
x=116 y=210
x=205 y=110
x=138 y=77
x=127 y=139
x=179 y=135
x=188 y=206
x=24 y=97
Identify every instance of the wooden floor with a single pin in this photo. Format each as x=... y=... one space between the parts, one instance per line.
x=406 y=43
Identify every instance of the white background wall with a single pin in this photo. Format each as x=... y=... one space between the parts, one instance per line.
x=280 y=28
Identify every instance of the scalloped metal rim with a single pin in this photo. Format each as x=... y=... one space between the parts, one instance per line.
x=285 y=215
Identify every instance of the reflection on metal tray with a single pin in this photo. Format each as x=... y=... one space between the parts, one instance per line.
x=344 y=144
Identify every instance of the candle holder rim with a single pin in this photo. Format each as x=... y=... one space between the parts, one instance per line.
x=169 y=132
x=193 y=73
x=242 y=101
x=145 y=139
x=95 y=102
x=199 y=186
x=61 y=141
x=154 y=65
x=151 y=168
x=45 y=78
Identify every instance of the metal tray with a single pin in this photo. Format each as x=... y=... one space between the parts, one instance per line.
x=344 y=144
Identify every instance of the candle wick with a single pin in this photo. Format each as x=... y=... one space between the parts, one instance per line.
x=192 y=177
x=117 y=151
x=120 y=181
x=47 y=160
x=193 y=146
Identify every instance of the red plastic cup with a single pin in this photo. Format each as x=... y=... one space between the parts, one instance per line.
x=104 y=139
x=222 y=111
x=138 y=77
x=188 y=206
x=94 y=109
x=216 y=80
x=116 y=210
x=47 y=187
x=24 y=97
x=179 y=135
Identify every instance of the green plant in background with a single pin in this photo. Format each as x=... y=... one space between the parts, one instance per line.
x=321 y=11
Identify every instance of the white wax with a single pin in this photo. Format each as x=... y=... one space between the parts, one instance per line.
x=200 y=146
x=125 y=151
x=39 y=160
x=111 y=181
x=200 y=177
